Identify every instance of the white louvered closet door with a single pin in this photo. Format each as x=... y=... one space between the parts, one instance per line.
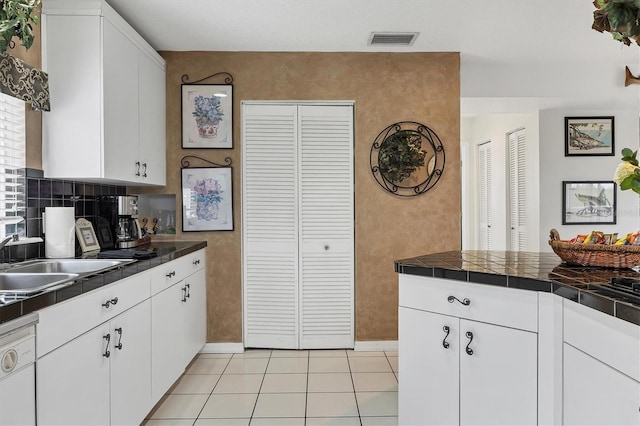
x=298 y=225
x=518 y=190
x=326 y=226
x=270 y=226
x=484 y=196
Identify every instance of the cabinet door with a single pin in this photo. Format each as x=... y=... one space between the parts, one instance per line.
x=120 y=104
x=195 y=311
x=73 y=381
x=428 y=382
x=151 y=112
x=130 y=366
x=18 y=396
x=498 y=377
x=167 y=339
x=597 y=394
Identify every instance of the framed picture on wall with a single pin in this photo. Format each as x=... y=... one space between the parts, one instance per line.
x=588 y=136
x=207 y=199
x=207 y=116
x=588 y=202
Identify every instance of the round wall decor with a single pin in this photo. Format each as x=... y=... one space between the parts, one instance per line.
x=407 y=158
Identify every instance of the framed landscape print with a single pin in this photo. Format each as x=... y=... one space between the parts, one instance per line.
x=207 y=199
x=207 y=116
x=588 y=202
x=588 y=136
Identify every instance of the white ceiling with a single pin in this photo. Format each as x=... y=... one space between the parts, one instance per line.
x=486 y=33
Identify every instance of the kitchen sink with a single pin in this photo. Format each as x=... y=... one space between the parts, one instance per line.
x=25 y=283
x=69 y=266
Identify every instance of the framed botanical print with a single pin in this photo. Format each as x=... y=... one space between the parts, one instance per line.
x=207 y=199
x=207 y=116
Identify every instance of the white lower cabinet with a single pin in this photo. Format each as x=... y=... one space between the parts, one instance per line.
x=468 y=354
x=465 y=372
x=102 y=377
x=601 y=368
x=108 y=356
x=179 y=329
x=597 y=394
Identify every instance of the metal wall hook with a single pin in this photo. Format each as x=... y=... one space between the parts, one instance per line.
x=227 y=80
x=185 y=163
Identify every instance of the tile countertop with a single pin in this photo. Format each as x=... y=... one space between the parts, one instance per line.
x=166 y=250
x=528 y=271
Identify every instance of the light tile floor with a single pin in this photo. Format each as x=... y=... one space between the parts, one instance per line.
x=284 y=388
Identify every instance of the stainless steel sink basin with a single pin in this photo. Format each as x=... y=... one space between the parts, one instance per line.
x=31 y=283
x=69 y=266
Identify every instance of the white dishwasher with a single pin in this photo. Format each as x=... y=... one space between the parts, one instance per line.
x=17 y=372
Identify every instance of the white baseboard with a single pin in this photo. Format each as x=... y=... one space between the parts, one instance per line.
x=222 y=348
x=238 y=348
x=376 y=345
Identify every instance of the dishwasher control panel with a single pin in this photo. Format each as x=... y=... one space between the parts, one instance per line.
x=17 y=350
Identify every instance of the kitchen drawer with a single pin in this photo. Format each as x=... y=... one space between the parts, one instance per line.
x=611 y=340
x=164 y=276
x=495 y=305
x=65 y=321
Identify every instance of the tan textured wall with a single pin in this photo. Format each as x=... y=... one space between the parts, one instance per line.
x=386 y=88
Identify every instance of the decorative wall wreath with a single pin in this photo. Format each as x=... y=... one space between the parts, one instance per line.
x=407 y=158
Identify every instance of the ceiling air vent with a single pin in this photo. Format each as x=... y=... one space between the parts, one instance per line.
x=398 y=39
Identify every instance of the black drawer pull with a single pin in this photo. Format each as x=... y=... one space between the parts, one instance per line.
x=447 y=330
x=470 y=337
x=108 y=303
x=119 y=345
x=106 y=353
x=171 y=274
x=465 y=301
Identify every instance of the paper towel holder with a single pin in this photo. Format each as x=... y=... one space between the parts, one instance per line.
x=86 y=236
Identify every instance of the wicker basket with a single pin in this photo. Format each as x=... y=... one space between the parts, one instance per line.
x=609 y=256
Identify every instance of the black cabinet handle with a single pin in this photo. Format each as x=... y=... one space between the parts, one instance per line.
x=188 y=286
x=465 y=301
x=470 y=337
x=171 y=274
x=184 y=294
x=137 y=168
x=445 y=344
x=108 y=303
x=196 y=262
x=106 y=353
x=144 y=170
x=119 y=345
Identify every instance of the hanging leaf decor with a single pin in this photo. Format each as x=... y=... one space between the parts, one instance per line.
x=17 y=18
x=401 y=154
x=621 y=18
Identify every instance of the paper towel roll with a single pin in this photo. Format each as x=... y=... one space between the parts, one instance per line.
x=59 y=232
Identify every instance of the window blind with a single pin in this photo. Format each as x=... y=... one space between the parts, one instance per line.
x=12 y=163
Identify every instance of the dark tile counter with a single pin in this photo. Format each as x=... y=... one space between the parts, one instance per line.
x=529 y=271
x=166 y=252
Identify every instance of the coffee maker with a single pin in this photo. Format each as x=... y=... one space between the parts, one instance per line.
x=121 y=213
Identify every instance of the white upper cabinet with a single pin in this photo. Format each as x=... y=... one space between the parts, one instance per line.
x=107 y=84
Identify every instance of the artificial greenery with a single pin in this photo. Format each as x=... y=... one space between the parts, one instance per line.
x=627 y=174
x=400 y=155
x=621 y=18
x=17 y=18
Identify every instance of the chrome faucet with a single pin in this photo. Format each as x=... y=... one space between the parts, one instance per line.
x=6 y=240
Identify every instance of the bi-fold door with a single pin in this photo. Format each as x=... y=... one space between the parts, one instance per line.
x=298 y=231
